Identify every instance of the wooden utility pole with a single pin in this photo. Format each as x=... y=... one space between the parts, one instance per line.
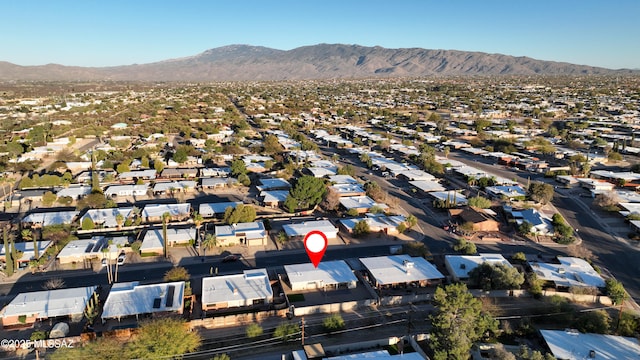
x=302 y=331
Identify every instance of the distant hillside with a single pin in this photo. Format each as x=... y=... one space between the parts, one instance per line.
x=244 y=62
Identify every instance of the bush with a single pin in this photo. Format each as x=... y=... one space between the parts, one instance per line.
x=465 y=247
x=286 y=331
x=333 y=322
x=253 y=330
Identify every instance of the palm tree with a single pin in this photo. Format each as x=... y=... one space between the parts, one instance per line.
x=27 y=235
x=197 y=221
x=119 y=220
x=165 y=220
x=210 y=241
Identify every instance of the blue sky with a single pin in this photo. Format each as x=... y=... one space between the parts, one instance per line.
x=114 y=32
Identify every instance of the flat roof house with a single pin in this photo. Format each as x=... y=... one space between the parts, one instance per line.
x=208 y=210
x=395 y=270
x=250 y=234
x=377 y=223
x=299 y=231
x=329 y=275
x=106 y=217
x=177 y=212
x=459 y=266
x=361 y=204
x=153 y=241
x=77 y=251
x=573 y=345
x=251 y=288
x=127 y=190
x=41 y=219
x=26 y=248
x=27 y=308
x=274 y=198
x=569 y=272
x=132 y=299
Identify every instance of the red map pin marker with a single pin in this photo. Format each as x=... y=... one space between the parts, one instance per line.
x=315 y=242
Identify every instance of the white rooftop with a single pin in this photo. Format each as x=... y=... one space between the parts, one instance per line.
x=51 y=218
x=398 y=269
x=131 y=298
x=453 y=196
x=342 y=179
x=50 y=303
x=427 y=185
x=303 y=228
x=26 y=248
x=106 y=216
x=151 y=174
x=274 y=195
x=253 y=230
x=153 y=238
x=210 y=209
x=570 y=272
x=463 y=264
x=572 y=345
x=375 y=355
x=359 y=202
x=250 y=285
x=88 y=247
x=174 y=185
x=327 y=272
x=156 y=210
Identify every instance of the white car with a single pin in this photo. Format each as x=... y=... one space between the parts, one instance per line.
x=121 y=258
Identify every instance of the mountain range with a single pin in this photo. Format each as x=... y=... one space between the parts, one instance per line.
x=322 y=61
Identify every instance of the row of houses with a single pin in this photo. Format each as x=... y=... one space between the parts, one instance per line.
x=254 y=289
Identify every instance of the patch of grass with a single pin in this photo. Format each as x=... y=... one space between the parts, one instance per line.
x=295 y=297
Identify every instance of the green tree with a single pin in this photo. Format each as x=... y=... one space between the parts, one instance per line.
x=285 y=331
x=27 y=236
x=457 y=323
x=272 y=145
x=240 y=214
x=306 y=193
x=123 y=167
x=525 y=228
x=49 y=198
x=162 y=338
x=597 y=322
x=244 y=179
x=238 y=167
x=158 y=166
x=496 y=277
x=119 y=220
x=464 y=246
x=615 y=291
x=180 y=155
x=480 y=202
x=541 y=192
x=332 y=323
x=411 y=221
x=210 y=242
x=177 y=273
x=88 y=224
x=361 y=228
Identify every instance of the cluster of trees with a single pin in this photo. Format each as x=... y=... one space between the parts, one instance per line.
x=496 y=277
x=239 y=170
x=465 y=247
x=240 y=214
x=157 y=338
x=46 y=181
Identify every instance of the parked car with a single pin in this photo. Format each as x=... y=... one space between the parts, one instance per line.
x=121 y=258
x=230 y=258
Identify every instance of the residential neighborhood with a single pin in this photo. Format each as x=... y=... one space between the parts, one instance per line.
x=193 y=202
